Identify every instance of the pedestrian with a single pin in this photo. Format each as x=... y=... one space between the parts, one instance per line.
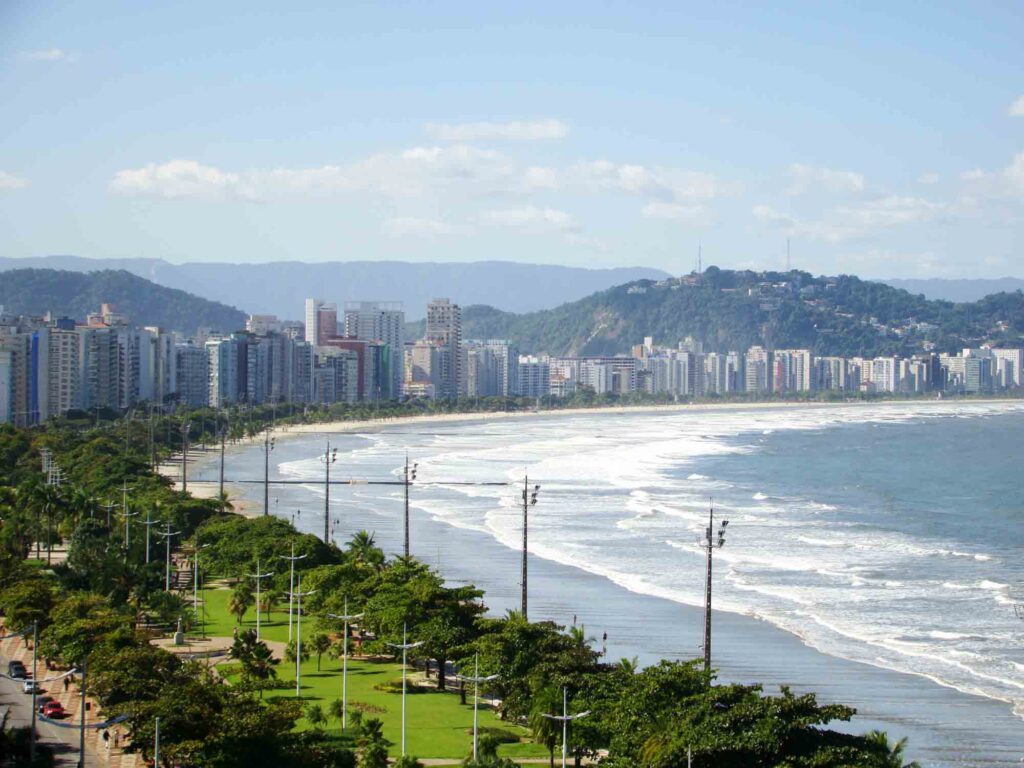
x=106 y=739
x=117 y=738
x=66 y=684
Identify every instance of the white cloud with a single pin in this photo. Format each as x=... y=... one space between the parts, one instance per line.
x=1017 y=107
x=1007 y=182
x=537 y=177
x=808 y=178
x=693 y=214
x=405 y=226
x=584 y=241
x=928 y=178
x=661 y=183
x=10 y=181
x=848 y=222
x=529 y=218
x=182 y=179
x=533 y=130
x=50 y=54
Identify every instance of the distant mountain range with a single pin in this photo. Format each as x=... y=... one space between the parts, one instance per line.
x=281 y=287
x=75 y=294
x=728 y=310
x=958 y=290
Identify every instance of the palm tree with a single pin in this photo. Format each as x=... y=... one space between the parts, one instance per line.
x=546 y=731
x=362 y=548
x=629 y=666
x=242 y=599
x=319 y=644
x=892 y=754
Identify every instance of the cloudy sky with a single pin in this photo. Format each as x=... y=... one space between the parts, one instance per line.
x=885 y=140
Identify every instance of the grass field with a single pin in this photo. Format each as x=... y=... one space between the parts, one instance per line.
x=437 y=725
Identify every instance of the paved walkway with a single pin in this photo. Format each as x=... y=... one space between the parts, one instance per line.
x=64 y=740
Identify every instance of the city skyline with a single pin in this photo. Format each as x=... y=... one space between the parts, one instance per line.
x=880 y=141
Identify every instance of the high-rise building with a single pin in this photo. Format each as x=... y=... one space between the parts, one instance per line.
x=193 y=374
x=757 y=367
x=336 y=376
x=534 y=376
x=490 y=368
x=312 y=320
x=384 y=322
x=444 y=329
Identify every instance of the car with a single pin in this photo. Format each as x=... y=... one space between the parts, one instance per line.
x=42 y=701
x=16 y=669
x=53 y=709
x=31 y=686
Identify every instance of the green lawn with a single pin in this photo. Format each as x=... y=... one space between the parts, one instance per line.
x=437 y=725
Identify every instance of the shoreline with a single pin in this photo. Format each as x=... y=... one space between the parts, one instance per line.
x=749 y=648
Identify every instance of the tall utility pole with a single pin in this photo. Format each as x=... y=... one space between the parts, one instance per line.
x=476 y=680
x=167 y=539
x=156 y=742
x=328 y=458
x=529 y=499
x=565 y=718
x=259 y=580
x=712 y=541
x=149 y=522
x=35 y=688
x=268 y=446
x=406 y=646
x=298 y=635
x=410 y=475
x=195 y=584
x=81 y=719
x=184 y=456
x=220 y=490
x=291 y=584
x=346 y=617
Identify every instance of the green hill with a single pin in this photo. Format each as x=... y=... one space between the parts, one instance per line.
x=732 y=310
x=74 y=294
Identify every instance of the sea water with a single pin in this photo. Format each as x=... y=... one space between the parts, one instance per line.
x=888 y=534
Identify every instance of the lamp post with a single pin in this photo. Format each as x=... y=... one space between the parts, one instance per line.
x=476 y=680
x=259 y=580
x=185 y=427
x=410 y=476
x=32 y=741
x=268 y=446
x=565 y=718
x=156 y=743
x=345 y=617
x=195 y=586
x=149 y=522
x=712 y=540
x=406 y=647
x=127 y=530
x=167 y=539
x=291 y=584
x=220 y=489
x=328 y=458
x=81 y=718
x=298 y=634
x=529 y=499
x=109 y=507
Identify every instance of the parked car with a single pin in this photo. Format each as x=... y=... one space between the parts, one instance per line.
x=16 y=669
x=42 y=701
x=31 y=686
x=53 y=709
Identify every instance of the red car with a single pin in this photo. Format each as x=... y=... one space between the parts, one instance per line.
x=53 y=709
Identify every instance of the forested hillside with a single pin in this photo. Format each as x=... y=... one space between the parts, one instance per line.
x=736 y=309
x=74 y=294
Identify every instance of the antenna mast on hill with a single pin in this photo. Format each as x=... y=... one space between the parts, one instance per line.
x=787 y=255
x=700 y=260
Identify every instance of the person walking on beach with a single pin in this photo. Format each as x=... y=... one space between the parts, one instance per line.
x=66 y=684
x=106 y=740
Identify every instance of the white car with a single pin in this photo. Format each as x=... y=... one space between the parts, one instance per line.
x=31 y=686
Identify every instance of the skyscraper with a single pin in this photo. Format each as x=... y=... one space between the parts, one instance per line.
x=384 y=322
x=444 y=329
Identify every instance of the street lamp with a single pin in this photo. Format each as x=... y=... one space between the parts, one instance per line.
x=291 y=583
x=712 y=540
x=565 y=718
x=185 y=427
x=195 y=585
x=328 y=458
x=167 y=539
x=268 y=446
x=410 y=476
x=406 y=647
x=259 y=580
x=345 y=617
x=476 y=680
x=529 y=499
x=298 y=634
x=109 y=507
x=149 y=522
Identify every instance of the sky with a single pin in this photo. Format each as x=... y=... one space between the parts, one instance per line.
x=879 y=139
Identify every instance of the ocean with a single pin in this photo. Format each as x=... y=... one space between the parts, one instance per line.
x=872 y=552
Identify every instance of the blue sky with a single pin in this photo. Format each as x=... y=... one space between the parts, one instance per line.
x=882 y=139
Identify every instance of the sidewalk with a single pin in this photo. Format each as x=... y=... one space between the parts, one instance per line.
x=97 y=753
